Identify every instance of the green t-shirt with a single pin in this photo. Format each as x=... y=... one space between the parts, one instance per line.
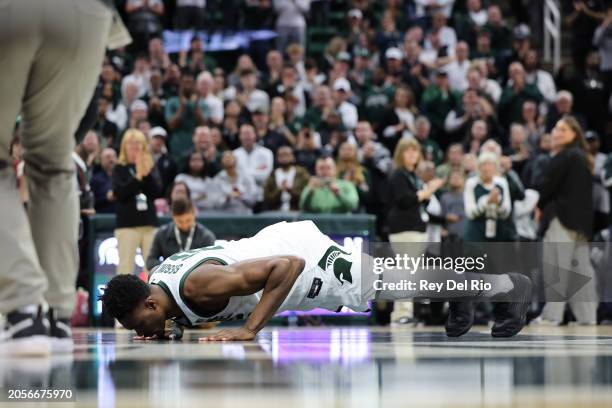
x=323 y=200
x=180 y=138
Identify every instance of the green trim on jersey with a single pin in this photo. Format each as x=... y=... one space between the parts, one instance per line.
x=186 y=274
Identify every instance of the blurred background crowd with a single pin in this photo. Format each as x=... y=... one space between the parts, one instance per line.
x=411 y=110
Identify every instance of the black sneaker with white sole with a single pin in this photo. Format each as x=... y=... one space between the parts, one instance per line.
x=26 y=333
x=60 y=333
x=511 y=316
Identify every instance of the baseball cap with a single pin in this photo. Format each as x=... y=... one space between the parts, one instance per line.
x=139 y=104
x=591 y=135
x=394 y=53
x=158 y=131
x=355 y=13
x=342 y=84
x=521 y=32
x=343 y=56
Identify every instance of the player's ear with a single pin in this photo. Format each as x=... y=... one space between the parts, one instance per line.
x=150 y=303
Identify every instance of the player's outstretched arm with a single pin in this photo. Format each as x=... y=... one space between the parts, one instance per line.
x=275 y=275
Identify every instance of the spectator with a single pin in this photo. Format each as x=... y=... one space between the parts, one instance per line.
x=231 y=124
x=163 y=206
x=602 y=39
x=532 y=123
x=182 y=234
x=487 y=203
x=348 y=111
x=102 y=183
x=139 y=76
x=190 y=14
x=476 y=136
x=458 y=68
x=452 y=206
x=599 y=158
x=163 y=162
x=564 y=105
x=325 y=193
x=210 y=104
x=202 y=187
x=307 y=150
x=107 y=129
x=247 y=95
x=350 y=169
x=236 y=191
x=446 y=34
x=285 y=185
x=566 y=204
x=431 y=149
x=136 y=184
x=460 y=120
x=518 y=149
x=470 y=23
x=274 y=65
x=407 y=217
x=288 y=84
x=438 y=100
x=538 y=162
x=283 y=121
x=399 y=120
x=290 y=22
x=144 y=21
x=183 y=114
x=203 y=143
x=271 y=139
x=158 y=57
x=254 y=159
x=583 y=18
x=139 y=112
x=323 y=105
x=388 y=35
x=478 y=81
x=454 y=161
x=543 y=80
x=517 y=91
x=500 y=34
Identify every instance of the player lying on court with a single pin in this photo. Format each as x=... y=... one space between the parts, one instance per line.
x=286 y=266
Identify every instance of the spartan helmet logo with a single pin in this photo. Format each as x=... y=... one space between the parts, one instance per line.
x=336 y=261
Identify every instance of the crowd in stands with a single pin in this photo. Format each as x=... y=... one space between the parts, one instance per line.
x=411 y=112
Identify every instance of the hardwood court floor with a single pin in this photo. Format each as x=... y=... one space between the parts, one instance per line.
x=330 y=367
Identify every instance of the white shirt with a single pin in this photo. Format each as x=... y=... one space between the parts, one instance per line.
x=348 y=111
x=215 y=107
x=479 y=17
x=259 y=162
x=446 y=7
x=141 y=80
x=457 y=75
x=118 y=116
x=545 y=83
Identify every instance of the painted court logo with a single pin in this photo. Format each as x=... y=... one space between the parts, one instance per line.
x=335 y=261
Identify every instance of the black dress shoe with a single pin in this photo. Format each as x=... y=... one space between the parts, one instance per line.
x=460 y=318
x=510 y=317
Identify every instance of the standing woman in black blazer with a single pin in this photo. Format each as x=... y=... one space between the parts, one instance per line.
x=136 y=184
x=407 y=218
x=566 y=206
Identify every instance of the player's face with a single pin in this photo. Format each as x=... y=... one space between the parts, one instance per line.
x=147 y=320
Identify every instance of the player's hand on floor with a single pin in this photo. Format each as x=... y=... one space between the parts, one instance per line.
x=241 y=334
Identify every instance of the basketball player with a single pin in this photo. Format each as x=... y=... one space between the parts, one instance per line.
x=286 y=266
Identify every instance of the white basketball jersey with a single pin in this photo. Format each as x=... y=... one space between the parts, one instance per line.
x=331 y=277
